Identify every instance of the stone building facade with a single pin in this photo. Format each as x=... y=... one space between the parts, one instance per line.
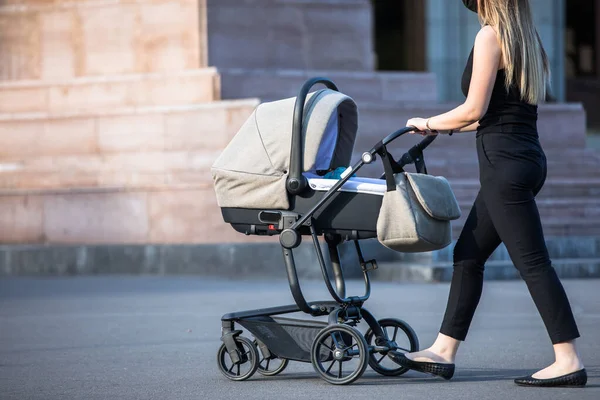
x=110 y=118
x=111 y=113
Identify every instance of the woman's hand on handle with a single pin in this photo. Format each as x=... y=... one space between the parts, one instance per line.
x=422 y=128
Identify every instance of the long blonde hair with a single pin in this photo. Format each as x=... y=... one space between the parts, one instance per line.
x=525 y=60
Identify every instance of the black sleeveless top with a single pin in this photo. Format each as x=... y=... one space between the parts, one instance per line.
x=507 y=113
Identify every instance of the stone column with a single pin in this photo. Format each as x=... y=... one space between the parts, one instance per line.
x=451 y=31
x=597 y=24
x=60 y=39
x=550 y=20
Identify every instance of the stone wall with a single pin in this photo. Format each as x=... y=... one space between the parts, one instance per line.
x=291 y=34
x=52 y=39
x=109 y=122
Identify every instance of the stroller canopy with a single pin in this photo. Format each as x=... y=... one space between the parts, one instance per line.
x=253 y=169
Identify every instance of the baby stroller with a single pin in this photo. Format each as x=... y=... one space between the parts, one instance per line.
x=264 y=189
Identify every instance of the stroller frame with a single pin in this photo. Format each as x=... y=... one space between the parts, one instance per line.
x=336 y=341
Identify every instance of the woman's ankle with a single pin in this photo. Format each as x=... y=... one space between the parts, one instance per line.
x=570 y=362
x=429 y=355
x=444 y=353
x=566 y=354
x=445 y=347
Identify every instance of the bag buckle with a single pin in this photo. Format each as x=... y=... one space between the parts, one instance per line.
x=369 y=265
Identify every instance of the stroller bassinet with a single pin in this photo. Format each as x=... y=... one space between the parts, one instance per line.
x=252 y=173
x=269 y=181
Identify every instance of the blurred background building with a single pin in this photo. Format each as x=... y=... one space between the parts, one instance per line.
x=111 y=112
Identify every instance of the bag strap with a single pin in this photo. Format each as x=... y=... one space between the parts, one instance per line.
x=390 y=166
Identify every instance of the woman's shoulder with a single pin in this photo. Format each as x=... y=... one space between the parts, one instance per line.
x=486 y=49
x=487 y=36
x=487 y=42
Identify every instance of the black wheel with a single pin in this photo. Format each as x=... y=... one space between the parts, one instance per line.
x=340 y=354
x=247 y=365
x=404 y=339
x=270 y=366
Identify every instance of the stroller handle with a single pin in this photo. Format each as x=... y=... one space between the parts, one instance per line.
x=393 y=136
x=422 y=145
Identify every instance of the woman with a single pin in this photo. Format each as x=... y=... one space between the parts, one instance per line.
x=505 y=78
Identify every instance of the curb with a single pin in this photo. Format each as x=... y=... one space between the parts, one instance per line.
x=494 y=270
x=572 y=257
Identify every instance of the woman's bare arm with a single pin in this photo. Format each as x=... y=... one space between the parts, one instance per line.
x=470 y=128
x=486 y=61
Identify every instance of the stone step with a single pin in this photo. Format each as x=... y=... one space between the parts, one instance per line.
x=560 y=213
x=576 y=198
x=554 y=226
x=113 y=178
x=127 y=171
x=437 y=154
x=582 y=207
x=437 y=157
x=567 y=268
x=91 y=94
x=365 y=86
x=567 y=207
x=559 y=247
x=462 y=163
x=123 y=170
x=560 y=216
x=466 y=189
x=169 y=214
x=466 y=167
x=155 y=212
x=44 y=40
x=561 y=126
x=556 y=169
x=127 y=129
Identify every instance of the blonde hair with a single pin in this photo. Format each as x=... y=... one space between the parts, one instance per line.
x=525 y=60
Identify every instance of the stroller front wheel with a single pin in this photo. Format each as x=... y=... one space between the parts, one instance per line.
x=246 y=367
x=402 y=338
x=340 y=354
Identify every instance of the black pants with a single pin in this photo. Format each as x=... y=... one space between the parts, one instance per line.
x=512 y=170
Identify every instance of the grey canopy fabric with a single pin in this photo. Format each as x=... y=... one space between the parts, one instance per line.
x=252 y=170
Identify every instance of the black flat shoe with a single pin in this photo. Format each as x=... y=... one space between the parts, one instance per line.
x=575 y=379
x=445 y=371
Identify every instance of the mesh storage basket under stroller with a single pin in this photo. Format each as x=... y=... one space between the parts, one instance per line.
x=286 y=337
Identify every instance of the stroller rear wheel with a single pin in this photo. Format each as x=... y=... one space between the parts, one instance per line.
x=340 y=354
x=270 y=366
x=247 y=365
x=403 y=339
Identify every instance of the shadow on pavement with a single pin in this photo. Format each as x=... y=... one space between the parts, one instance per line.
x=462 y=375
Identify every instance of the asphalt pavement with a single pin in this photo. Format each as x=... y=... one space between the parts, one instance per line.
x=157 y=337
